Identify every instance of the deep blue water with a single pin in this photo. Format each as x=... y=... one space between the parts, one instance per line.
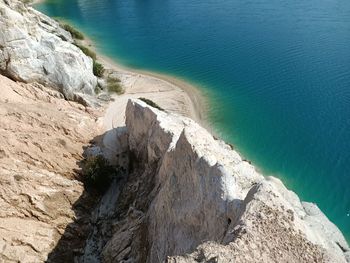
x=277 y=74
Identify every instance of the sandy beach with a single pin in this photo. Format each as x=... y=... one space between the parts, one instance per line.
x=170 y=93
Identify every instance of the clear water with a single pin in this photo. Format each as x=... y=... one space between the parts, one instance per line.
x=278 y=75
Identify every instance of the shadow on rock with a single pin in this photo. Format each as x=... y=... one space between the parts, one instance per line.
x=72 y=243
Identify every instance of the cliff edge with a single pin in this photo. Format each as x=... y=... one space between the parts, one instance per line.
x=191 y=198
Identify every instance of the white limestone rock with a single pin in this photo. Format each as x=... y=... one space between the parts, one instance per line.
x=33 y=48
x=209 y=205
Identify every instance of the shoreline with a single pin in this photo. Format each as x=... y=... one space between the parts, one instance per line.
x=197 y=103
x=171 y=93
x=196 y=107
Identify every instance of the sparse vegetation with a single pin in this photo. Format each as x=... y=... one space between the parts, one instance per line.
x=97 y=89
x=98 y=173
x=87 y=51
x=27 y=2
x=114 y=85
x=151 y=103
x=75 y=33
x=98 y=69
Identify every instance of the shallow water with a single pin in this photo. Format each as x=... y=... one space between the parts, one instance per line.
x=277 y=74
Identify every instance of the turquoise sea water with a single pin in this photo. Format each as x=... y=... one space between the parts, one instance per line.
x=277 y=74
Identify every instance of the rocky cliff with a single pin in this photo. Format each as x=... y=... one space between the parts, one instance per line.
x=191 y=198
x=34 y=48
x=183 y=196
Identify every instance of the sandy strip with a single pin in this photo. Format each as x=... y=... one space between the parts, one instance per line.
x=171 y=94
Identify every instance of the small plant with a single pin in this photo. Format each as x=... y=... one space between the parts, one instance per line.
x=98 y=69
x=87 y=51
x=151 y=103
x=27 y=2
x=98 y=173
x=114 y=85
x=97 y=89
x=75 y=33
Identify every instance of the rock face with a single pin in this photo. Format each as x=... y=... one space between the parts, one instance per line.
x=33 y=48
x=186 y=197
x=42 y=203
x=191 y=198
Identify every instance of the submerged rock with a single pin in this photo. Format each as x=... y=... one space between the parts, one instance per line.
x=34 y=48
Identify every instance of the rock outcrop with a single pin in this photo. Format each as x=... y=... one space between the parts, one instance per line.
x=191 y=198
x=43 y=205
x=34 y=48
x=185 y=196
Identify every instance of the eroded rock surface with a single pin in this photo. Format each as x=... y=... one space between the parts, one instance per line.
x=41 y=143
x=191 y=198
x=33 y=48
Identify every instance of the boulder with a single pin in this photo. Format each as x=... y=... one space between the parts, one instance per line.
x=33 y=48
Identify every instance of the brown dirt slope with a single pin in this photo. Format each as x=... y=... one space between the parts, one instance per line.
x=41 y=143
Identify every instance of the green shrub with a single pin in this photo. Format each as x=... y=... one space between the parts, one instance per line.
x=98 y=173
x=75 y=33
x=114 y=85
x=97 y=89
x=87 y=51
x=27 y=1
x=98 y=69
x=151 y=103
